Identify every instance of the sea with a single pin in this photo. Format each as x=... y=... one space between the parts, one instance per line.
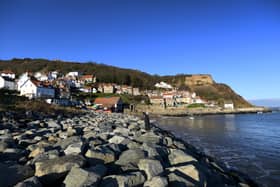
x=249 y=143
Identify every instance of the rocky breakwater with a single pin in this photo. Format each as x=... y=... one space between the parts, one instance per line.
x=98 y=149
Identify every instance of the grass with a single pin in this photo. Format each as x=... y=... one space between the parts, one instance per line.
x=196 y=105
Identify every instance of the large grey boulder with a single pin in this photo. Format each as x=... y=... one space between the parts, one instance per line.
x=53 y=124
x=131 y=157
x=75 y=148
x=177 y=156
x=52 y=170
x=116 y=139
x=150 y=167
x=12 y=174
x=150 y=137
x=156 y=182
x=155 y=151
x=30 y=182
x=122 y=131
x=51 y=154
x=64 y=143
x=130 y=179
x=102 y=155
x=189 y=175
x=79 y=177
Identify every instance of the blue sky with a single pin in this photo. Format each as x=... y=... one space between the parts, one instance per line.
x=237 y=41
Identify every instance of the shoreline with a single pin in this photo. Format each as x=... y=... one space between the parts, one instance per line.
x=113 y=149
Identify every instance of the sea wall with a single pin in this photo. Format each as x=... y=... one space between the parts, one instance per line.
x=100 y=149
x=184 y=111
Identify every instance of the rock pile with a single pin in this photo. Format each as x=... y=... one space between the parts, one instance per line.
x=99 y=149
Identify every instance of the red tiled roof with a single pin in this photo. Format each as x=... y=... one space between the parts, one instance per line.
x=107 y=101
x=40 y=83
x=7 y=72
x=87 y=77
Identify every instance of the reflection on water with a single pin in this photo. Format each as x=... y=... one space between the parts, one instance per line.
x=250 y=143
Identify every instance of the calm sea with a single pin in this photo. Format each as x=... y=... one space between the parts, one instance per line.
x=247 y=142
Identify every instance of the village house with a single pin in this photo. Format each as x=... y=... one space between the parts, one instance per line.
x=126 y=89
x=115 y=104
x=73 y=74
x=106 y=88
x=8 y=73
x=163 y=85
x=53 y=75
x=36 y=89
x=228 y=105
x=41 y=76
x=22 y=79
x=184 y=100
x=7 y=83
x=136 y=91
x=85 y=79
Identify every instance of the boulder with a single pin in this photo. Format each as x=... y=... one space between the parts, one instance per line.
x=64 y=143
x=122 y=131
x=130 y=179
x=150 y=137
x=177 y=156
x=52 y=170
x=168 y=141
x=150 y=167
x=189 y=170
x=116 y=139
x=3 y=146
x=95 y=142
x=156 y=182
x=188 y=174
x=75 y=148
x=131 y=157
x=102 y=155
x=30 y=182
x=36 y=152
x=79 y=177
x=45 y=156
x=53 y=124
x=12 y=174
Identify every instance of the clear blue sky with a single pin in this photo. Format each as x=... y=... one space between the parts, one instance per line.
x=237 y=41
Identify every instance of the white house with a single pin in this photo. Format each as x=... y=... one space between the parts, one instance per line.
x=40 y=76
x=36 y=89
x=22 y=79
x=7 y=83
x=163 y=85
x=53 y=75
x=8 y=73
x=73 y=74
x=228 y=105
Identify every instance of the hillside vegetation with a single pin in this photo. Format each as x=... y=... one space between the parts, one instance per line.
x=111 y=74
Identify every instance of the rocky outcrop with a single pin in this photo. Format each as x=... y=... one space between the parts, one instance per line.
x=99 y=149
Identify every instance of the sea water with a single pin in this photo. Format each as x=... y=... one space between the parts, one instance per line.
x=249 y=143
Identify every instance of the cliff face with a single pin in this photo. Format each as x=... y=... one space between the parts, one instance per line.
x=203 y=84
x=198 y=79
